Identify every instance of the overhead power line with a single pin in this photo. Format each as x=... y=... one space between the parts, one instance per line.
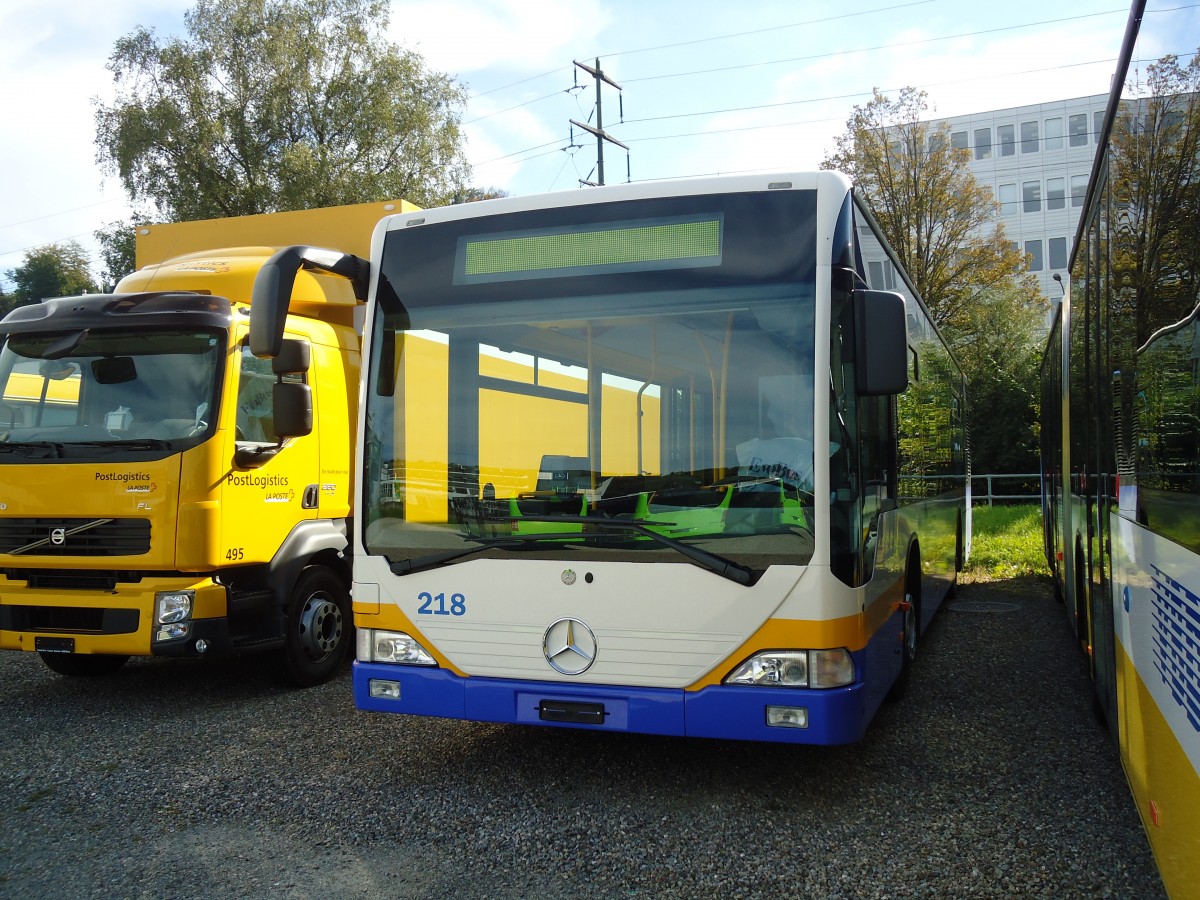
x=888 y=46
x=716 y=37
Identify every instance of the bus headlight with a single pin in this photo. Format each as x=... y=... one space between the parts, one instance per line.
x=391 y=647
x=780 y=668
x=796 y=668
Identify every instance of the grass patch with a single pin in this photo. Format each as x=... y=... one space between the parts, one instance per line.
x=1006 y=543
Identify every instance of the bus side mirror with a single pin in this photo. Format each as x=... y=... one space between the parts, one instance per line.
x=881 y=345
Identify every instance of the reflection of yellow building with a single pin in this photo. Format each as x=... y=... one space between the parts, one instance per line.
x=23 y=396
x=517 y=428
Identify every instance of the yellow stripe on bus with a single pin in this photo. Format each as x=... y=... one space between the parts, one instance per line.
x=1166 y=787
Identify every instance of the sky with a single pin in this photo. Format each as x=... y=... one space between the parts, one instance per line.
x=706 y=87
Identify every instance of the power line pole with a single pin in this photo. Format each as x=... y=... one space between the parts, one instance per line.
x=598 y=131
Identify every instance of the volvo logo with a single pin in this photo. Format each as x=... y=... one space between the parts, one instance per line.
x=58 y=536
x=569 y=646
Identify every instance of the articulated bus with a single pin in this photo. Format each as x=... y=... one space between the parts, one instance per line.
x=660 y=458
x=1121 y=431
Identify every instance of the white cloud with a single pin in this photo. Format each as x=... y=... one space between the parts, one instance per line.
x=53 y=190
x=461 y=37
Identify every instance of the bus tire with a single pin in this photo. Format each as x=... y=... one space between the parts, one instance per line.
x=83 y=665
x=910 y=635
x=319 y=627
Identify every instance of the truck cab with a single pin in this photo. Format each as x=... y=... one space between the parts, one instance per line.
x=165 y=491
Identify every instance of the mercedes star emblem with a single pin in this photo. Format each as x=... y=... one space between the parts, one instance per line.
x=569 y=646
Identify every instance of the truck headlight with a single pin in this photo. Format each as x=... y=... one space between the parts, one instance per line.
x=173 y=606
x=391 y=647
x=796 y=668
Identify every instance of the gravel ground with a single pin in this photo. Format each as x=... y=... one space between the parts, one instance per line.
x=191 y=780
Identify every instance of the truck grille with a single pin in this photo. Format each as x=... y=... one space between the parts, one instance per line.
x=69 y=619
x=74 y=537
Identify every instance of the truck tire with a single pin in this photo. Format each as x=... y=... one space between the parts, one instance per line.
x=319 y=627
x=83 y=665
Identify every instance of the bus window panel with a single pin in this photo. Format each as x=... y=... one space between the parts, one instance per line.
x=648 y=408
x=1168 y=428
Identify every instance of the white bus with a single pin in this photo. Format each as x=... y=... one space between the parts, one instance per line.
x=658 y=458
x=1121 y=431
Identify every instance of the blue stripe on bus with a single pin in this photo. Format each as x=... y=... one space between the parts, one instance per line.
x=836 y=716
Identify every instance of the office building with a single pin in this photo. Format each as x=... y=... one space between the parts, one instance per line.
x=1037 y=160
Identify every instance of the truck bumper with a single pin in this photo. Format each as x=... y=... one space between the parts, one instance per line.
x=120 y=622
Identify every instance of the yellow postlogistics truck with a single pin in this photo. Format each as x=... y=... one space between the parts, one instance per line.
x=163 y=490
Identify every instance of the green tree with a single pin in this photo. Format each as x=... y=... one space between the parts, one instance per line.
x=1000 y=352
x=944 y=227
x=272 y=105
x=940 y=221
x=118 y=250
x=54 y=270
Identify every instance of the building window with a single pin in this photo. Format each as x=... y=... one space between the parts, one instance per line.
x=1078 y=129
x=1056 y=193
x=1029 y=137
x=983 y=143
x=958 y=140
x=1078 y=189
x=1008 y=200
x=937 y=142
x=1033 y=249
x=1006 y=137
x=882 y=275
x=1058 y=252
x=1054 y=134
x=1031 y=196
x=1097 y=124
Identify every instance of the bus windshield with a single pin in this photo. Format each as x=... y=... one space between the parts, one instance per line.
x=67 y=393
x=580 y=424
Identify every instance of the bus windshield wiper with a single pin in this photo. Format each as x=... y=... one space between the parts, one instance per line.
x=726 y=568
x=435 y=560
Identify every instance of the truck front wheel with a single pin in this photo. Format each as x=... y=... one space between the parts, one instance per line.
x=83 y=665
x=319 y=626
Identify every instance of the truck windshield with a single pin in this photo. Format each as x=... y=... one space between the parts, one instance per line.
x=593 y=425
x=113 y=388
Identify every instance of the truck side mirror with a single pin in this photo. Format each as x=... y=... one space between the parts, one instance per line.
x=881 y=343
x=293 y=409
x=292 y=358
x=292 y=400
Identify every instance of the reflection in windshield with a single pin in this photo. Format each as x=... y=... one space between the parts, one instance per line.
x=105 y=389
x=656 y=425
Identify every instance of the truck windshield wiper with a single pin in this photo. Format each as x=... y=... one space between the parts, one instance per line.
x=25 y=447
x=127 y=443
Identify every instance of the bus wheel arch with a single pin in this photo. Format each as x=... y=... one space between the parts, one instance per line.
x=959 y=560
x=1079 y=601
x=911 y=632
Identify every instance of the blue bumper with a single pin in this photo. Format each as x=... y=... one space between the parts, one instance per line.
x=835 y=716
